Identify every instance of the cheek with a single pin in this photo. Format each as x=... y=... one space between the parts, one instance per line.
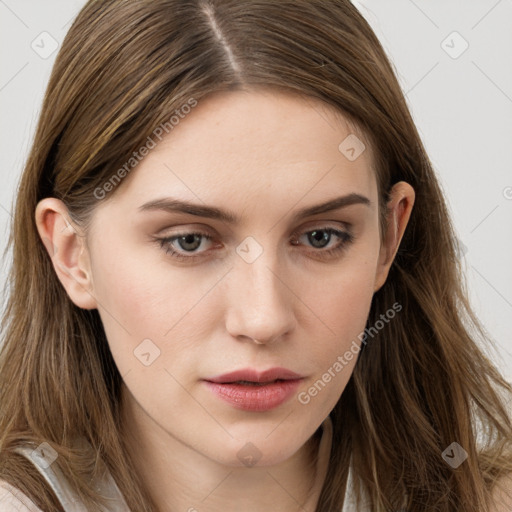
x=342 y=300
x=141 y=300
x=342 y=308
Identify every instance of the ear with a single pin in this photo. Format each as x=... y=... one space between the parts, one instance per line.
x=399 y=209
x=67 y=249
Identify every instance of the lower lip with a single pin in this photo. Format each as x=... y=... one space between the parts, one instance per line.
x=255 y=398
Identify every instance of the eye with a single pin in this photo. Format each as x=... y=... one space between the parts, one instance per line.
x=185 y=246
x=321 y=237
x=188 y=242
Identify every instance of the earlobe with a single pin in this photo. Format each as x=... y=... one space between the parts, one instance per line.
x=399 y=207
x=67 y=250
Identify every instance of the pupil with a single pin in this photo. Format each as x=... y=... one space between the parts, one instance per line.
x=317 y=240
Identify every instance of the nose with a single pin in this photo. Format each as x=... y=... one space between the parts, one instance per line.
x=259 y=302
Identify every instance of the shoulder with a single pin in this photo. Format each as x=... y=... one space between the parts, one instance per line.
x=502 y=495
x=13 y=500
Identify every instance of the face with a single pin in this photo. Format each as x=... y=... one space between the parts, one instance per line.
x=187 y=296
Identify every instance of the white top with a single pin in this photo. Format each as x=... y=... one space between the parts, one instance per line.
x=13 y=500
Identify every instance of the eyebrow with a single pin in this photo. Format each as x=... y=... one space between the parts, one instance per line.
x=172 y=205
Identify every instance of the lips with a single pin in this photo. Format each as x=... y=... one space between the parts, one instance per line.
x=250 y=390
x=250 y=375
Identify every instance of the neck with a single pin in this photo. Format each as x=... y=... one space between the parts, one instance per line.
x=181 y=479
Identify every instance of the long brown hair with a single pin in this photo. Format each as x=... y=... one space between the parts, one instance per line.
x=423 y=383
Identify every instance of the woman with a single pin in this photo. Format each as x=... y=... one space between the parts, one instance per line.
x=178 y=334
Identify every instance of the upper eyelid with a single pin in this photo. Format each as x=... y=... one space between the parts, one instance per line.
x=335 y=225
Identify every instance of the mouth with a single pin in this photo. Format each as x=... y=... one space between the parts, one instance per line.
x=254 y=391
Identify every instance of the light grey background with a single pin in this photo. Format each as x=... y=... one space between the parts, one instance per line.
x=460 y=98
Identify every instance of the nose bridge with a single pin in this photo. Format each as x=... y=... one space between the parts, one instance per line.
x=260 y=304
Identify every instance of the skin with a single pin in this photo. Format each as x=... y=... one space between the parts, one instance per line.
x=263 y=155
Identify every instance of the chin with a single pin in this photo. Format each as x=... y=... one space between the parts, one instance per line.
x=256 y=451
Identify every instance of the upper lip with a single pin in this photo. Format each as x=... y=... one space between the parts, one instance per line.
x=251 y=375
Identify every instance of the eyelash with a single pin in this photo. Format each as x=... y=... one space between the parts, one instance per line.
x=346 y=239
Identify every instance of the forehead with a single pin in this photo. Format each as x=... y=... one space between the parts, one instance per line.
x=255 y=144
